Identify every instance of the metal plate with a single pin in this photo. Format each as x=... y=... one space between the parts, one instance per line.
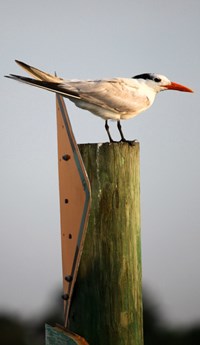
x=75 y=201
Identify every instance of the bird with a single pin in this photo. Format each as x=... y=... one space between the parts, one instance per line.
x=111 y=99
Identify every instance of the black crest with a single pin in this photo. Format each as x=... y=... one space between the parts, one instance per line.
x=148 y=76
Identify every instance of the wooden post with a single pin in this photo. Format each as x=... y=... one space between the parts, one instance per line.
x=107 y=301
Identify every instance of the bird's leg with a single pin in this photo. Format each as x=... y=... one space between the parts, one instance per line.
x=120 y=131
x=108 y=132
x=131 y=143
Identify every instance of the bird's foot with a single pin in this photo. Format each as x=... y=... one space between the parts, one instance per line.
x=114 y=141
x=130 y=142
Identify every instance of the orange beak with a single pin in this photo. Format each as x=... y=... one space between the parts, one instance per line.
x=179 y=87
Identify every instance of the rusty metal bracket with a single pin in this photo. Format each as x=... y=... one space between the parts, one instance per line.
x=75 y=201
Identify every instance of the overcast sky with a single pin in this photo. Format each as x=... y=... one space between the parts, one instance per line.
x=88 y=40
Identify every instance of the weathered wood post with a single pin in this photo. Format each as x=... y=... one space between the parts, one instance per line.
x=107 y=301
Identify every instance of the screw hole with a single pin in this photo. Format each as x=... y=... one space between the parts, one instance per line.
x=66 y=157
x=65 y=297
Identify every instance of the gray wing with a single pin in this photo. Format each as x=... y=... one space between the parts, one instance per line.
x=118 y=95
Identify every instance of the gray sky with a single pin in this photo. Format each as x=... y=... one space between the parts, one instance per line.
x=95 y=39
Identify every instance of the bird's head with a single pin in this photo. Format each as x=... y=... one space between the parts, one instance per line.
x=159 y=82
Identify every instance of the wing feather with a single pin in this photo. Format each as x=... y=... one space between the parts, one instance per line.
x=119 y=95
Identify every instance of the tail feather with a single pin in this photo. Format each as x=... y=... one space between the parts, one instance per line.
x=57 y=87
x=40 y=75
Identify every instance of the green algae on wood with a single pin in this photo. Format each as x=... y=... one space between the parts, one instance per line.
x=107 y=301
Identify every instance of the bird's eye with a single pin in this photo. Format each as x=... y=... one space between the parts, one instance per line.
x=157 y=80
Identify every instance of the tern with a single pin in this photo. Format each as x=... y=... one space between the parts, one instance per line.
x=111 y=99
